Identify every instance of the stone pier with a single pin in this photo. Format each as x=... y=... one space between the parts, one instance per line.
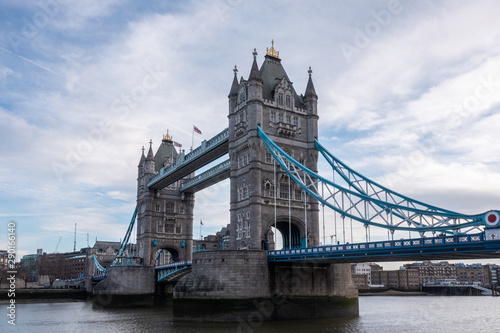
x=241 y=286
x=125 y=286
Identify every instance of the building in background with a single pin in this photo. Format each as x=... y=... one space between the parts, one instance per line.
x=474 y=273
x=433 y=271
x=361 y=275
x=494 y=275
x=404 y=278
x=4 y=259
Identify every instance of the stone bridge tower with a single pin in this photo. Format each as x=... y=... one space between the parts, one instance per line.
x=164 y=217
x=268 y=98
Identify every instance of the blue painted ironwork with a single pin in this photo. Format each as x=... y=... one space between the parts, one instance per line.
x=471 y=244
x=99 y=267
x=217 y=170
x=368 y=208
x=124 y=243
x=182 y=160
x=97 y=278
x=368 y=187
x=372 y=189
x=166 y=271
x=158 y=255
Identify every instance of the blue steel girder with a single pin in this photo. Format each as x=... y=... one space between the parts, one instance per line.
x=99 y=267
x=162 y=272
x=207 y=178
x=372 y=189
x=471 y=246
x=206 y=153
x=124 y=243
x=408 y=215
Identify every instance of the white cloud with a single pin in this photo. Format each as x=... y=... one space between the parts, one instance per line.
x=380 y=109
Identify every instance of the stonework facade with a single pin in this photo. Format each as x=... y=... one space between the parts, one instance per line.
x=268 y=99
x=164 y=217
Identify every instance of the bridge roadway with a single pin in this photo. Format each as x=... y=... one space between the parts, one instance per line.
x=473 y=246
x=186 y=164
x=461 y=247
x=172 y=272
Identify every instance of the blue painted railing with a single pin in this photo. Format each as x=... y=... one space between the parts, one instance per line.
x=201 y=178
x=389 y=248
x=167 y=270
x=205 y=147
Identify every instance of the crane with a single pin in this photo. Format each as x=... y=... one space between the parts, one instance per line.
x=59 y=241
x=74 y=246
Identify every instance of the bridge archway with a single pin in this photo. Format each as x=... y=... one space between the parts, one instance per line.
x=165 y=255
x=287 y=231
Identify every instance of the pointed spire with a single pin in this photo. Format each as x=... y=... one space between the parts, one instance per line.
x=150 y=152
x=143 y=158
x=310 y=91
x=235 y=86
x=254 y=72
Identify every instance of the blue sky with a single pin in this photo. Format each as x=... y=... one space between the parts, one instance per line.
x=408 y=92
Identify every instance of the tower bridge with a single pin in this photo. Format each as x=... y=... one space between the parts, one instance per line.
x=275 y=189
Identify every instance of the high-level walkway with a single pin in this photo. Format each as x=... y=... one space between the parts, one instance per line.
x=186 y=164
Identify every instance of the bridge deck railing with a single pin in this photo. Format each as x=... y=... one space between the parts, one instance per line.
x=183 y=159
x=169 y=270
x=174 y=265
x=207 y=174
x=389 y=244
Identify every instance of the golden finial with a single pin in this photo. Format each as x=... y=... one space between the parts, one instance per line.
x=167 y=137
x=272 y=52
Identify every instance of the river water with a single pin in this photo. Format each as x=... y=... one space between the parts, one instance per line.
x=377 y=314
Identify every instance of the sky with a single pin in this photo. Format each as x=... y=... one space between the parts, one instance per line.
x=409 y=95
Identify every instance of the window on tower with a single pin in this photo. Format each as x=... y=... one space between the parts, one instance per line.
x=268 y=157
x=299 y=194
x=170 y=207
x=169 y=228
x=280 y=99
x=159 y=227
x=284 y=190
x=268 y=189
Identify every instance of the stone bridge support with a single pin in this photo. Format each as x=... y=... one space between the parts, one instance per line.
x=125 y=286
x=312 y=290
x=241 y=286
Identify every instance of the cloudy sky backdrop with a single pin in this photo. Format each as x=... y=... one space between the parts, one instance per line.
x=408 y=92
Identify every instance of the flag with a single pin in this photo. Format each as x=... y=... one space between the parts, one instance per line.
x=196 y=129
x=201 y=223
x=177 y=144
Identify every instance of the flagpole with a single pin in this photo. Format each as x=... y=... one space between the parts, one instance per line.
x=192 y=140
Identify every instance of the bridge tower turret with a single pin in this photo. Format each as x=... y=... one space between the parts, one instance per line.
x=268 y=99
x=165 y=217
x=233 y=93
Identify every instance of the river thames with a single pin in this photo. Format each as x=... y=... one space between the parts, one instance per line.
x=377 y=314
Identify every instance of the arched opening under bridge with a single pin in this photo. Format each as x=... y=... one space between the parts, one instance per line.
x=165 y=256
x=287 y=234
